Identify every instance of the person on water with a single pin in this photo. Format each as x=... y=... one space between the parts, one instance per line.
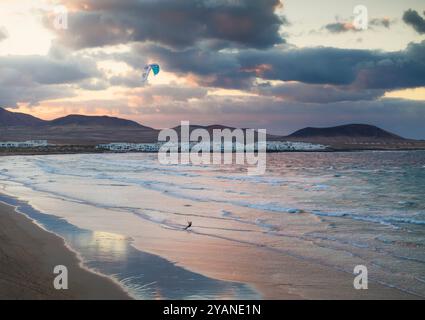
x=189 y=224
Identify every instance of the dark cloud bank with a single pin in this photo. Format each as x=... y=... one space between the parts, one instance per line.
x=175 y=23
x=347 y=68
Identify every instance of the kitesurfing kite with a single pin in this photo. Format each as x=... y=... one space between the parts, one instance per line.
x=147 y=69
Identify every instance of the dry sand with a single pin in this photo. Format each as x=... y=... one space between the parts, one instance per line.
x=28 y=255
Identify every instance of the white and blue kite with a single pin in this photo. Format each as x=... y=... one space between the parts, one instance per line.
x=147 y=69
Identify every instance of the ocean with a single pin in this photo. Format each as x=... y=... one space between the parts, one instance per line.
x=124 y=214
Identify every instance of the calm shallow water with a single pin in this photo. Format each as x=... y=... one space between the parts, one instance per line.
x=332 y=209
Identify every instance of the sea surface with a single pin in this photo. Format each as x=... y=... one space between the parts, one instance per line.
x=125 y=214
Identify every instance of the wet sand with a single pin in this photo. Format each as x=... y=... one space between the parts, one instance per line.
x=28 y=255
x=274 y=275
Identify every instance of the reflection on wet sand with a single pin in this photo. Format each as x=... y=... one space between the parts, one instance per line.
x=144 y=275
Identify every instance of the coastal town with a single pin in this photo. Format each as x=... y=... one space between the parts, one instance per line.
x=271 y=146
x=24 y=144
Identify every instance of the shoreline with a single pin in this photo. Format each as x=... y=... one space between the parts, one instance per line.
x=322 y=146
x=28 y=237
x=31 y=152
x=28 y=256
x=97 y=249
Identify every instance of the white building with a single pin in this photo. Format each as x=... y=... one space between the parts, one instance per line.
x=23 y=144
x=294 y=146
x=124 y=147
x=272 y=146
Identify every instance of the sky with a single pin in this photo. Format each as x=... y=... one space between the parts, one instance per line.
x=278 y=65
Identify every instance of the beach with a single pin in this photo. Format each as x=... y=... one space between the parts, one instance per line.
x=295 y=233
x=28 y=255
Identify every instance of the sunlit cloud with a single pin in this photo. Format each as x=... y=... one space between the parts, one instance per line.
x=409 y=94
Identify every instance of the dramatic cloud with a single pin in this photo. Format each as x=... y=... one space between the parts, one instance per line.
x=412 y=17
x=354 y=69
x=206 y=47
x=363 y=69
x=405 y=69
x=250 y=23
x=42 y=70
x=30 y=79
x=310 y=65
x=208 y=68
x=239 y=69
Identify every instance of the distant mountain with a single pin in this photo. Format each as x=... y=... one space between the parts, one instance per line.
x=73 y=129
x=351 y=131
x=79 y=120
x=92 y=130
x=15 y=119
x=8 y=118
